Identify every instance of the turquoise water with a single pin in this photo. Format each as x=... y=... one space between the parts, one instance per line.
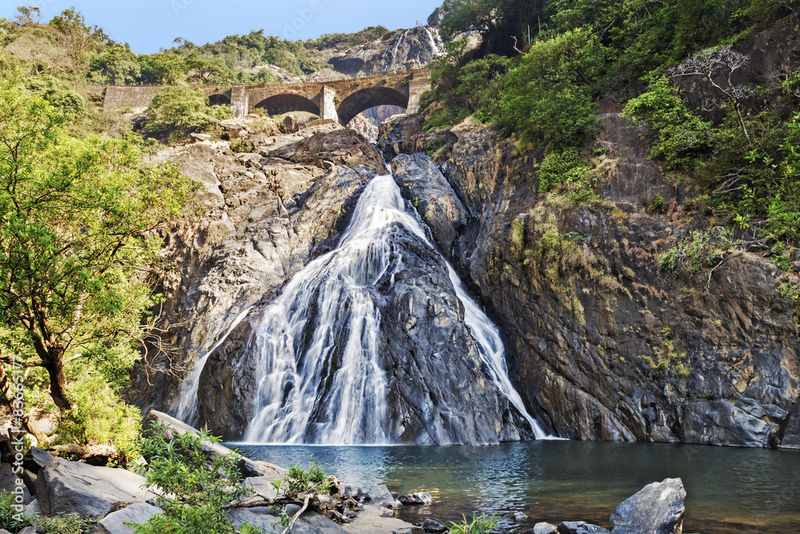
x=729 y=490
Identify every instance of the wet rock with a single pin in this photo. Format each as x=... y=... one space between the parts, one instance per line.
x=380 y=495
x=544 y=528
x=791 y=434
x=117 y=522
x=423 y=184
x=580 y=527
x=89 y=491
x=431 y=525
x=658 y=508
x=416 y=499
x=429 y=353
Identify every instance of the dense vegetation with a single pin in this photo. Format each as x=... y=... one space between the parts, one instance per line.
x=543 y=67
x=79 y=220
x=192 y=489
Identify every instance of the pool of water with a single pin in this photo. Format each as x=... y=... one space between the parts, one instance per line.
x=728 y=490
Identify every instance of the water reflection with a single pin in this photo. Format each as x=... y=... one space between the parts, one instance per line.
x=729 y=490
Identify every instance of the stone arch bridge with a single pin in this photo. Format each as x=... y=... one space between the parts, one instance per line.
x=338 y=100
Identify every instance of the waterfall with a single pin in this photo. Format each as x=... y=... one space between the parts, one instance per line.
x=186 y=409
x=329 y=311
x=316 y=347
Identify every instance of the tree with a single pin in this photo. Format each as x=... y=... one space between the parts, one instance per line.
x=78 y=223
x=178 y=111
x=505 y=25
x=717 y=67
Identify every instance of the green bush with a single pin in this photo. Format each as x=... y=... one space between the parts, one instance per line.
x=64 y=524
x=10 y=519
x=299 y=482
x=548 y=98
x=703 y=250
x=680 y=135
x=479 y=525
x=100 y=417
x=193 y=488
x=565 y=166
x=176 y=112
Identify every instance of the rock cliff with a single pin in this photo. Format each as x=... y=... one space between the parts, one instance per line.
x=603 y=342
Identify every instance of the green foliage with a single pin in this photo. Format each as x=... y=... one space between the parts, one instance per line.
x=78 y=231
x=175 y=112
x=658 y=205
x=64 y=524
x=58 y=94
x=703 y=250
x=117 y=65
x=548 y=97
x=10 y=519
x=680 y=135
x=299 y=482
x=100 y=417
x=565 y=166
x=505 y=25
x=193 y=488
x=479 y=525
x=461 y=90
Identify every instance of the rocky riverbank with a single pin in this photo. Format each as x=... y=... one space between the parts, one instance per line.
x=114 y=498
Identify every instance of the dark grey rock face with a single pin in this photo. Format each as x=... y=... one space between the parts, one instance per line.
x=420 y=180
x=658 y=508
x=433 y=363
x=603 y=343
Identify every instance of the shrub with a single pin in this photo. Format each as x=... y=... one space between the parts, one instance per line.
x=565 y=166
x=680 y=135
x=548 y=98
x=298 y=482
x=703 y=250
x=100 y=417
x=478 y=525
x=64 y=524
x=10 y=519
x=176 y=112
x=193 y=488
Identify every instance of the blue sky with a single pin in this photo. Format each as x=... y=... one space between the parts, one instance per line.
x=149 y=25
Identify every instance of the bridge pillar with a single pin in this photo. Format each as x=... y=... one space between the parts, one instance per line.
x=419 y=83
x=327 y=104
x=240 y=104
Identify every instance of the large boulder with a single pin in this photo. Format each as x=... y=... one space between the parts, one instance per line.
x=657 y=508
x=117 y=522
x=339 y=147
x=89 y=491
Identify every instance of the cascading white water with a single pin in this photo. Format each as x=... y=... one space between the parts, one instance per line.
x=186 y=408
x=329 y=313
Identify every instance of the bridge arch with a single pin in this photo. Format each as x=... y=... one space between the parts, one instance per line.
x=284 y=103
x=370 y=97
x=219 y=99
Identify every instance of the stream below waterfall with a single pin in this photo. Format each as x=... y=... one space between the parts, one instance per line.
x=729 y=490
